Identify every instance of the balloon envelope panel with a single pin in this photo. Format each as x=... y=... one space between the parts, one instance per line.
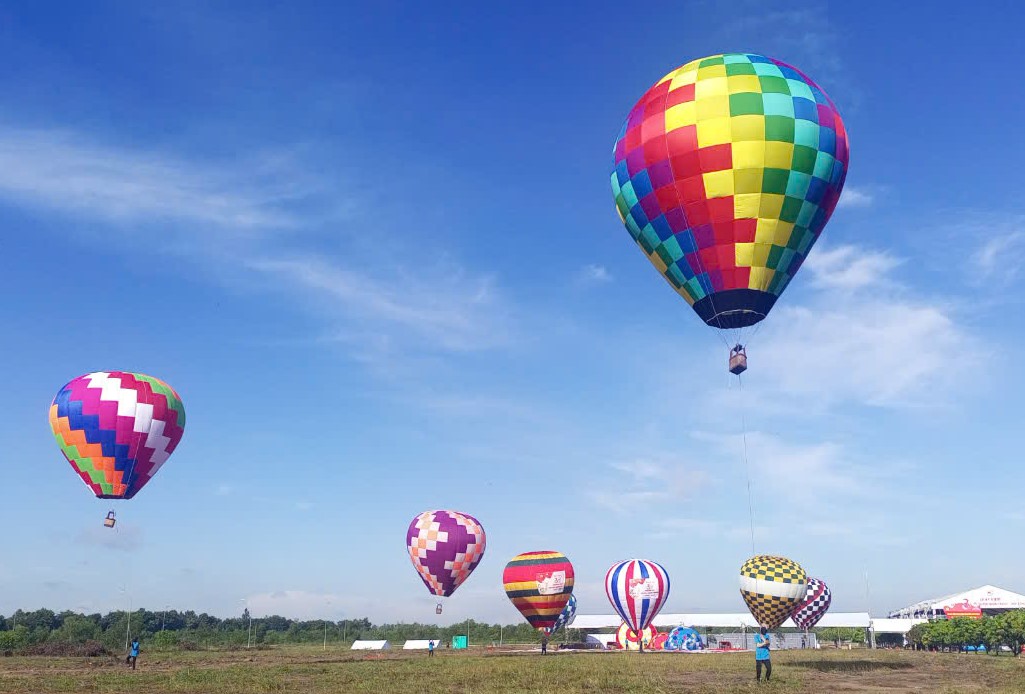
x=445 y=547
x=771 y=586
x=116 y=429
x=725 y=173
x=539 y=584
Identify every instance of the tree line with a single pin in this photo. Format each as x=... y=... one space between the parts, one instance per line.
x=960 y=633
x=187 y=629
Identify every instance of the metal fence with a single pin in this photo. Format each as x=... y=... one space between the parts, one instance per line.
x=781 y=641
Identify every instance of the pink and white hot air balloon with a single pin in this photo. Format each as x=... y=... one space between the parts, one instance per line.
x=445 y=547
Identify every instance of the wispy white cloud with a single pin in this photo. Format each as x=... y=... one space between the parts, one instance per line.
x=450 y=308
x=640 y=482
x=883 y=353
x=63 y=170
x=865 y=338
x=1002 y=254
x=849 y=267
x=855 y=197
x=797 y=473
x=191 y=205
x=592 y=274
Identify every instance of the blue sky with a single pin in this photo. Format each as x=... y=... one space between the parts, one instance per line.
x=375 y=250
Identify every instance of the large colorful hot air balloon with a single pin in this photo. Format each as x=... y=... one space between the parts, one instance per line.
x=117 y=429
x=445 y=547
x=771 y=586
x=725 y=173
x=566 y=616
x=539 y=584
x=807 y=613
x=637 y=589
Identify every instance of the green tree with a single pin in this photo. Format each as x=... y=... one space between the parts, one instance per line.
x=76 y=629
x=14 y=639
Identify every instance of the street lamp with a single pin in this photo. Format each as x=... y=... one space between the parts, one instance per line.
x=163 y=617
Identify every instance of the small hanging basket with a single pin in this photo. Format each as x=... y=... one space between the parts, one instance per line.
x=738 y=360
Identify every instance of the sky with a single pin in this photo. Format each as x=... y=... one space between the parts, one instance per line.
x=374 y=248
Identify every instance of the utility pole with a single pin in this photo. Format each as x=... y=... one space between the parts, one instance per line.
x=128 y=618
x=325 y=624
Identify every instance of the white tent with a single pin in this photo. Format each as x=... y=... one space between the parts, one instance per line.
x=370 y=645
x=419 y=645
x=987 y=598
x=603 y=639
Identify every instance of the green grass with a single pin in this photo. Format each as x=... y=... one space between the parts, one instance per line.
x=313 y=671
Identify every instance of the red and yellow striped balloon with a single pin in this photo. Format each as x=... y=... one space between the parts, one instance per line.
x=539 y=584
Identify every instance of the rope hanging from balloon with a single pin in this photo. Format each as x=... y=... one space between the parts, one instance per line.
x=747 y=465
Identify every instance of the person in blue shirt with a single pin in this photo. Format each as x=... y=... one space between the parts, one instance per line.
x=133 y=653
x=430 y=648
x=762 y=655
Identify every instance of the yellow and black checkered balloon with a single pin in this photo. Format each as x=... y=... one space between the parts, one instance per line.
x=771 y=586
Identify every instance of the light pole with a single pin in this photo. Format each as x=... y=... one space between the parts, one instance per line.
x=249 y=633
x=163 y=617
x=325 y=624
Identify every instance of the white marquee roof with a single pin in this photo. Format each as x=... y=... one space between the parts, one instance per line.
x=987 y=598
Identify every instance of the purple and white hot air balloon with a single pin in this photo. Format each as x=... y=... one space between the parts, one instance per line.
x=445 y=547
x=809 y=611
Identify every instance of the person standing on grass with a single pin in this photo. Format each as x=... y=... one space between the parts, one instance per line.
x=762 y=655
x=544 y=644
x=133 y=653
x=430 y=649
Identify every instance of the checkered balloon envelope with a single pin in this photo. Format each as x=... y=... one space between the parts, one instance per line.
x=771 y=586
x=809 y=611
x=725 y=173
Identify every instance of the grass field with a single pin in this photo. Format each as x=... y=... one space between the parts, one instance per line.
x=312 y=670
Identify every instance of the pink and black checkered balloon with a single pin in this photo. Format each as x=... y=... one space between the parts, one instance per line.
x=809 y=611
